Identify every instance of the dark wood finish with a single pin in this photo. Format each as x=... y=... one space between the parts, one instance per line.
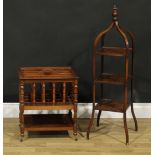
x=57 y=106
x=44 y=73
x=113 y=51
x=125 y=52
x=110 y=78
x=53 y=92
x=21 y=109
x=110 y=105
x=58 y=90
x=126 y=128
x=75 y=93
x=48 y=122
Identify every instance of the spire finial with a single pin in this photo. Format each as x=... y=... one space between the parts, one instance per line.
x=115 y=13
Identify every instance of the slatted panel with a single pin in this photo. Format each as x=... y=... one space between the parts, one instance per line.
x=52 y=92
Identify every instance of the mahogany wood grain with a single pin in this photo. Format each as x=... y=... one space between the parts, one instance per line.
x=54 y=94
x=114 y=51
x=125 y=52
x=110 y=78
x=110 y=105
x=44 y=73
x=48 y=122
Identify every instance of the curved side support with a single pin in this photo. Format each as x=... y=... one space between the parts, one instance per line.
x=90 y=123
x=132 y=37
x=122 y=33
x=124 y=36
x=95 y=44
x=101 y=35
x=132 y=83
x=93 y=111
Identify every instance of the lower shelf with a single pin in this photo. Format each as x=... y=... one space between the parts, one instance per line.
x=110 y=105
x=48 y=122
x=41 y=106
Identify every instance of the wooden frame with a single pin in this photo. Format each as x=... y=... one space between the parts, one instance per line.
x=67 y=99
x=125 y=52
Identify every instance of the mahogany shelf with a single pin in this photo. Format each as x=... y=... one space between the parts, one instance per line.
x=110 y=79
x=113 y=51
x=27 y=106
x=111 y=105
x=47 y=122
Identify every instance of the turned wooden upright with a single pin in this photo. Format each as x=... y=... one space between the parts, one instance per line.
x=48 y=88
x=100 y=49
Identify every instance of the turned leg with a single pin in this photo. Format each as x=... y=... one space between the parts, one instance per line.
x=21 y=122
x=90 y=123
x=126 y=128
x=75 y=108
x=21 y=110
x=21 y=130
x=75 y=123
x=98 y=117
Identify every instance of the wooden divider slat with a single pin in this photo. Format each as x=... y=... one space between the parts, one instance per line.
x=33 y=92
x=64 y=92
x=53 y=93
x=43 y=92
